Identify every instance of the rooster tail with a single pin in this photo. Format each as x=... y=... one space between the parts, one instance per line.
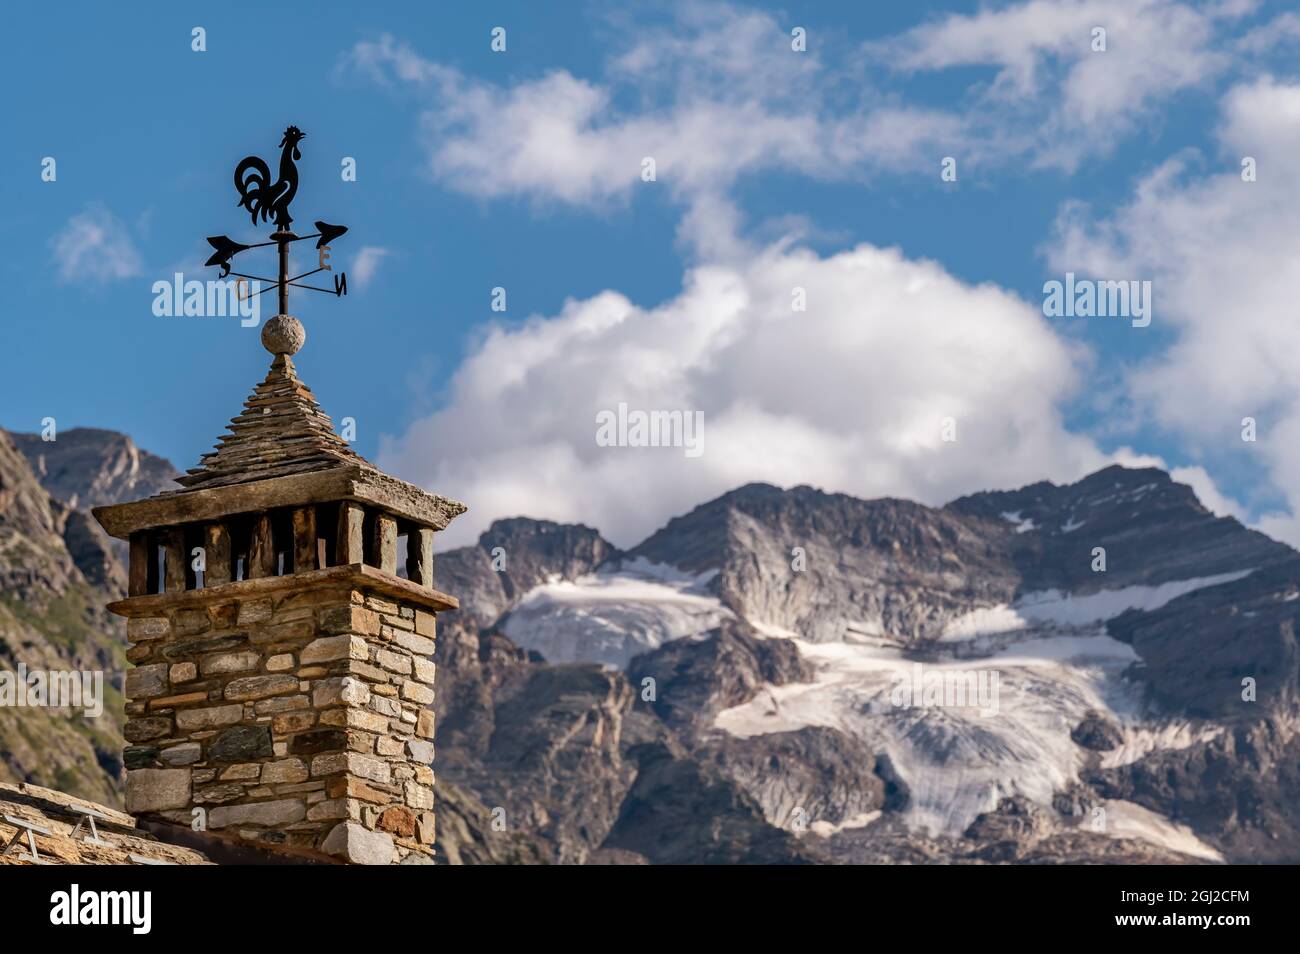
x=253 y=180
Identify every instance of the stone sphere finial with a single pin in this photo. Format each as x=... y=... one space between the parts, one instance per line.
x=283 y=334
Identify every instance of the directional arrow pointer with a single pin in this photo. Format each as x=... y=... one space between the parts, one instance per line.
x=329 y=233
x=226 y=249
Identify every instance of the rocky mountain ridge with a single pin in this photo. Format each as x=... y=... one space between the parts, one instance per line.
x=722 y=691
x=1140 y=664
x=57 y=570
x=86 y=467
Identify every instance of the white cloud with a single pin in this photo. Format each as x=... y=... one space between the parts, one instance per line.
x=366 y=264
x=1283 y=30
x=1207 y=492
x=1052 y=95
x=95 y=246
x=1224 y=258
x=849 y=395
x=717 y=96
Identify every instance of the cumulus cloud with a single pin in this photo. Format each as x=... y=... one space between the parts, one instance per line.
x=95 y=246
x=1224 y=258
x=850 y=395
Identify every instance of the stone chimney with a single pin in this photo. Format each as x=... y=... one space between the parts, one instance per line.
x=280 y=615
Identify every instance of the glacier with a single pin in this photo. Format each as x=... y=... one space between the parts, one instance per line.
x=1055 y=661
x=610 y=616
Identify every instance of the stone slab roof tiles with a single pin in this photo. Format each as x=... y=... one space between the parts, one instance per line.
x=58 y=814
x=282 y=431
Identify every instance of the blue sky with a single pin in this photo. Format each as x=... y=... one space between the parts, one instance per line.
x=479 y=169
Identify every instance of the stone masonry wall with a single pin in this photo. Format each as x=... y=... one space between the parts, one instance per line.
x=300 y=719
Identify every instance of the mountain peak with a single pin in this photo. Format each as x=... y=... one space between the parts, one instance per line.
x=91 y=467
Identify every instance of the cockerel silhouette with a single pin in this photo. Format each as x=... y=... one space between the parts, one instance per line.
x=259 y=194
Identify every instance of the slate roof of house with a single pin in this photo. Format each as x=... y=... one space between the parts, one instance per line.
x=58 y=814
x=281 y=431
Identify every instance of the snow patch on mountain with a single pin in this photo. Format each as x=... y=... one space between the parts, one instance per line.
x=1130 y=820
x=771 y=629
x=1068 y=609
x=1142 y=740
x=1052 y=606
x=610 y=616
x=1022 y=526
x=825 y=829
x=985 y=620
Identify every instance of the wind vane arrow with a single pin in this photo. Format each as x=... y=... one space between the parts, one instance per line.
x=328 y=233
x=225 y=250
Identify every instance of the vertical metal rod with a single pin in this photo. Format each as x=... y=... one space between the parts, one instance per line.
x=282 y=237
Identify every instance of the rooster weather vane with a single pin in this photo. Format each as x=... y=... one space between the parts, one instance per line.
x=266 y=198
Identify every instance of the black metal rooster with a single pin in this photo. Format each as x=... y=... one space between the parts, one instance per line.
x=258 y=194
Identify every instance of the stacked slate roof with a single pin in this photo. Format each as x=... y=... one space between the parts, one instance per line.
x=282 y=431
x=61 y=830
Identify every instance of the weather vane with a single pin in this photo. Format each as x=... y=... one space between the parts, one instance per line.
x=268 y=198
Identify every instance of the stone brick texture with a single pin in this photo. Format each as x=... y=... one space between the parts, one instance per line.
x=303 y=720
